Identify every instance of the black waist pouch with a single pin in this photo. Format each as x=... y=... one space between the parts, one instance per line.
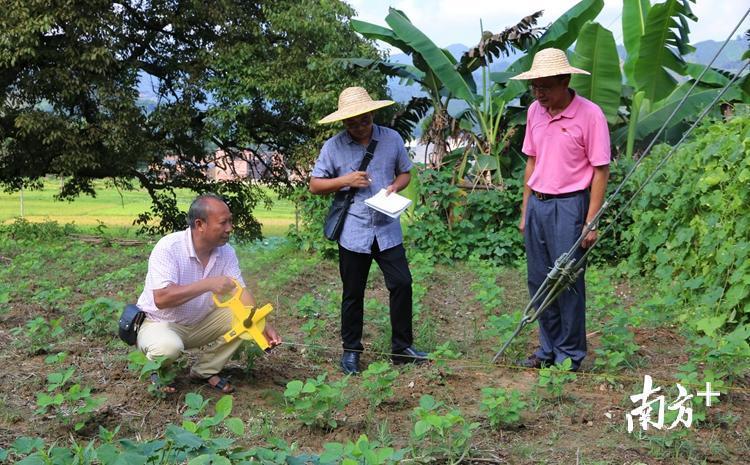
x=337 y=215
x=130 y=322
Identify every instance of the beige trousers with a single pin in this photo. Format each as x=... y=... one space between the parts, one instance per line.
x=171 y=339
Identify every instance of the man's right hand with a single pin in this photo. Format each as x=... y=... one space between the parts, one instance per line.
x=220 y=285
x=522 y=224
x=356 y=179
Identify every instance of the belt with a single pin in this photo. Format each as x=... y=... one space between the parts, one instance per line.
x=543 y=196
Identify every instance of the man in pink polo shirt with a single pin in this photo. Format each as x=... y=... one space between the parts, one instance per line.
x=567 y=168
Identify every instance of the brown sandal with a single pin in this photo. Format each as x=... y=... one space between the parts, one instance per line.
x=222 y=385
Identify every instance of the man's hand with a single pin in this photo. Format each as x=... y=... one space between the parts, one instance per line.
x=389 y=190
x=272 y=336
x=522 y=224
x=590 y=239
x=357 y=179
x=220 y=285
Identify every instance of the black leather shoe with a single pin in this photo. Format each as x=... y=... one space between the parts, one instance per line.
x=409 y=355
x=532 y=361
x=350 y=362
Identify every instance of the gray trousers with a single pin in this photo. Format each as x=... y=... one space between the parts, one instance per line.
x=552 y=227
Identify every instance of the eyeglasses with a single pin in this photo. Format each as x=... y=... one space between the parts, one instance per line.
x=535 y=89
x=358 y=121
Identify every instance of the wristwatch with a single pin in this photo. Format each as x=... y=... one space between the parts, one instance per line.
x=592 y=227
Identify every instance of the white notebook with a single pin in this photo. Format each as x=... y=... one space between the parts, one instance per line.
x=392 y=205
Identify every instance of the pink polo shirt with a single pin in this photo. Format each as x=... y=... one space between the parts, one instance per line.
x=567 y=146
x=174 y=261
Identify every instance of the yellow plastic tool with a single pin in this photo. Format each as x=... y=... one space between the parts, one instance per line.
x=248 y=322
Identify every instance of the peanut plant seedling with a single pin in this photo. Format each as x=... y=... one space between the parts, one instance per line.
x=40 y=334
x=209 y=425
x=315 y=402
x=554 y=378
x=503 y=407
x=99 y=316
x=165 y=369
x=445 y=437
x=75 y=402
x=377 y=384
x=440 y=358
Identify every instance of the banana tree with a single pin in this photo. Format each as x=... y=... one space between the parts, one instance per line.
x=441 y=76
x=656 y=39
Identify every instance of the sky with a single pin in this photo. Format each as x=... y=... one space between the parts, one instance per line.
x=448 y=22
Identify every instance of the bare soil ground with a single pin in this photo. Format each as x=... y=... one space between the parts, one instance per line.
x=586 y=425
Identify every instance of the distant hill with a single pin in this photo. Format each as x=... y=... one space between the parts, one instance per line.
x=704 y=51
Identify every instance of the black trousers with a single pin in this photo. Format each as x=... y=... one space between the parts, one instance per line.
x=354 y=268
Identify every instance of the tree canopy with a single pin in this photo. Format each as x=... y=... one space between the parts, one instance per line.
x=247 y=77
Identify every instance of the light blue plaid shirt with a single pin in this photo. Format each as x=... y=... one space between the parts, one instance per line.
x=341 y=155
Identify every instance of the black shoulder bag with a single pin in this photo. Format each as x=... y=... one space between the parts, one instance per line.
x=130 y=323
x=342 y=201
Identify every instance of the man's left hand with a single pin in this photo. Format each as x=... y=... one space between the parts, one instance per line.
x=272 y=336
x=389 y=190
x=589 y=240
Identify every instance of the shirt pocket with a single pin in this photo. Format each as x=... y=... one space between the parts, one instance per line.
x=571 y=139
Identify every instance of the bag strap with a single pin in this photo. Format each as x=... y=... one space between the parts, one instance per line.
x=368 y=155
x=363 y=166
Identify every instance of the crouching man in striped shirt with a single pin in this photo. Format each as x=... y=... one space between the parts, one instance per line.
x=184 y=269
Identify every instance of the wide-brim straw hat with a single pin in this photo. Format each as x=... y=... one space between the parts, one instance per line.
x=549 y=62
x=354 y=101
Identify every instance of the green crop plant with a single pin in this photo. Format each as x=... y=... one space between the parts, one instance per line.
x=313 y=330
x=39 y=334
x=554 y=378
x=486 y=291
x=52 y=298
x=440 y=358
x=499 y=328
x=73 y=403
x=360 y=452
x=315 y=402
x=503 y=407
x=617 y=347
x=251 y=353
x=437 y=436
x=208 y=425
x=377 y=384
x=99 y=316
x=166 y=371
x=306 y=306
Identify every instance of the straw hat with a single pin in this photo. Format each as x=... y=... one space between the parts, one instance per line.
x=549 y=62
x=354 y=101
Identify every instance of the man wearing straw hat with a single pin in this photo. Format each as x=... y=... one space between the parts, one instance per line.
x=368 y=234
x=567 y=168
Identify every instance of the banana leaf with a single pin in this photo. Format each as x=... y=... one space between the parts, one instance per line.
x=596 y=52
x=375 y=32
x=492 y=46
x=713 y=77
x=656 y=55
x=435 y=58
x=401 y=70
x=651 y=121
x=560 y=34
x=564 y=31
x=411 y=192
x=634 y=13
x=483 y=163
x=635 y=112
x=409 y=117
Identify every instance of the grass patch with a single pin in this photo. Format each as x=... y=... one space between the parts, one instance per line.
x=117 y=209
